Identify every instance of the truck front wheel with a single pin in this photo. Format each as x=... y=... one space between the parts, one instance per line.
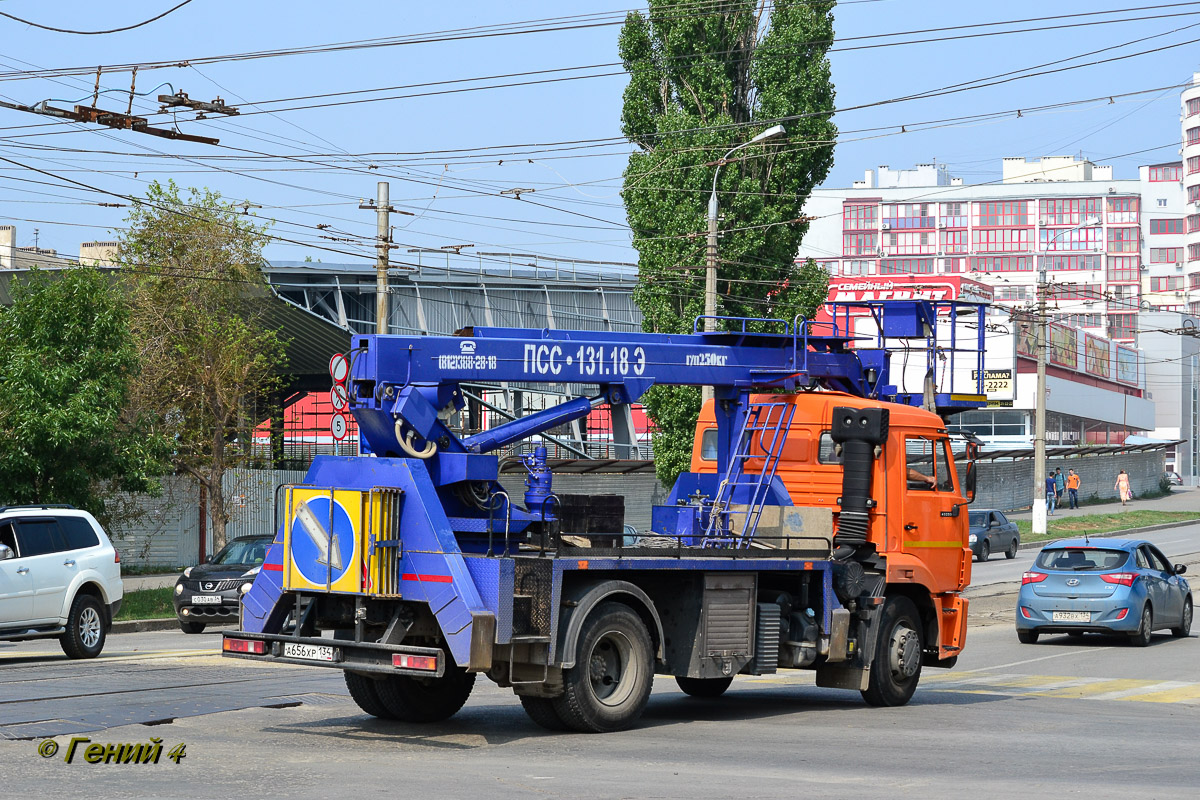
x=609 y=685
x=896 y=669
x=426 y=699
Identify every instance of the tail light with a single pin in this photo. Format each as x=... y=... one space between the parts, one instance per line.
x=1033 y=577
x=116 y=556
x=1121 y=578
x=1121 y=614
x=254 y=646
x=1026 y=613
x=414 y=662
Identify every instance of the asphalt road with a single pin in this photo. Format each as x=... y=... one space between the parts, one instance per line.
x=1176 y=543
x=1062 y=718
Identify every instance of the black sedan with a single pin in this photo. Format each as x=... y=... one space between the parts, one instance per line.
x=991 y=531
x=210 y=592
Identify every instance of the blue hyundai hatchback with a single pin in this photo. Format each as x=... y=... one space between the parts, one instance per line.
x=1124 y=586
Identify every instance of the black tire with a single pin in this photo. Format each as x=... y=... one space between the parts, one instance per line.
x=1011 y=552
x=541 y=710
x=191 y=627
x=87 y=628
x=1027 y=637
x=985 y=551
x=609 y=685
x=1141 y=638
x=704 y=687
x=366 y=695
x=1185 y=621
x=426 y=699
x=899 y=647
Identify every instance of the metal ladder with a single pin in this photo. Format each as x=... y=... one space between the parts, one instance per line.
x=766 y=425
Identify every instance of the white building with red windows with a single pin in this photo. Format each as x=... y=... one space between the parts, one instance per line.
x=1101 y=241
x=1110 y=247
x=1096 y=387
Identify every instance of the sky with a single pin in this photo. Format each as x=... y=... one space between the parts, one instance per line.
x=450 y=155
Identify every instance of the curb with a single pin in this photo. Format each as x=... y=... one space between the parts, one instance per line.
x=144 y=625
x=1113 y=534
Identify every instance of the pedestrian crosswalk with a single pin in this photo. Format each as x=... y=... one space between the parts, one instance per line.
x=1067 y=687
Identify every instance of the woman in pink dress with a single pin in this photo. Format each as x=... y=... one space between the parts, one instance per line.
x=1123 y=488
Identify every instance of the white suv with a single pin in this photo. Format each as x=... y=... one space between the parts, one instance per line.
x=59 y=576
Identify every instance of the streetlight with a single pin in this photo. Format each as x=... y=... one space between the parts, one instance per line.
x=710 y=271
x=710 y=276
x=1039 y=418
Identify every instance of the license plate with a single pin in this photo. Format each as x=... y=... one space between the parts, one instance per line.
x=309 y=652
x=1072 y=616
x=206 y=599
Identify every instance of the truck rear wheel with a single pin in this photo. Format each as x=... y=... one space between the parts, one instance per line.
x=365 y=694
x=704 y=687
x=896 y=669
x=541 y=710
x=426 y=699
x=609 y=685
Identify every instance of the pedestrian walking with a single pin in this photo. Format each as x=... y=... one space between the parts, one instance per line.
x=1073 y=481
x=1122 y=487
x=1060 y=486
x=1051 y=497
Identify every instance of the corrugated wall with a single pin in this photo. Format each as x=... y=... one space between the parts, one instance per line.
x=165 y=531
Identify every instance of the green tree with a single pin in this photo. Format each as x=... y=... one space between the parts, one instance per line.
x=210 y=361
x=67 y=358
x=700 y=84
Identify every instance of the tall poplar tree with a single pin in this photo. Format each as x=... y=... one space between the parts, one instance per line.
x=704 y=78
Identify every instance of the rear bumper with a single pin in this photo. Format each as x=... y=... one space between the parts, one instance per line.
x=363 y=657
x=1036 y=612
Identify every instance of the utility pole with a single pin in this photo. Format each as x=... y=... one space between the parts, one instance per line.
x=710 y=280
x=1039 y=403
x=1039 y=420
x=383 y=210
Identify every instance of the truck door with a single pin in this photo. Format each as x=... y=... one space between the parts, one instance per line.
x=930 y=532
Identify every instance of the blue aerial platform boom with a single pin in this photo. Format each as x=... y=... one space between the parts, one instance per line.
x=429 y=571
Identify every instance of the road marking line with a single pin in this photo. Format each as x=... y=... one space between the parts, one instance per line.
x=1096 y=689
x=1179 y=693
x=1073 y=652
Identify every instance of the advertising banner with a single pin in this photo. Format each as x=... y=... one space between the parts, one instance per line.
x=1127 y=365
x=1064 y=346
x=1097 y=357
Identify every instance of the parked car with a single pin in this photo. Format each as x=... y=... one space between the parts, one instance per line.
x=209 y=593
x=60 y=576
x=1173 y=478
x=990 y=532
x=1122 y=586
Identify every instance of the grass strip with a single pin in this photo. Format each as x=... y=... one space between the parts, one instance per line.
x=147 y=604
x=1067 y=524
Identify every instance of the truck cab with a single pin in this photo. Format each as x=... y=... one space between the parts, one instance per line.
x=918 y=526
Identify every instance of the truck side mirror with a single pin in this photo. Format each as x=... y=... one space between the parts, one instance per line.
x=969 y=482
